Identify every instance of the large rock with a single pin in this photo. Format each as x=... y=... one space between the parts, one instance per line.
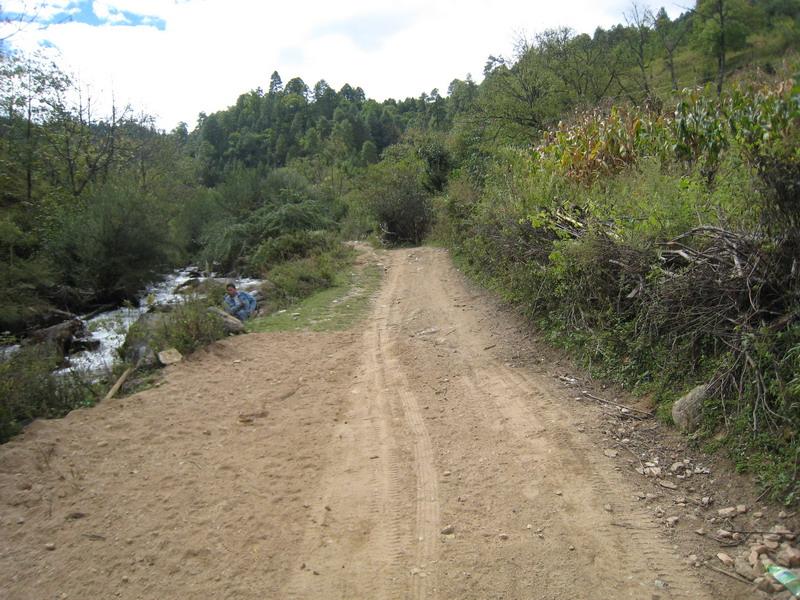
x=170 y=356
x=59 y=336
x=142 y=339
x=688 y=410
x=84 y=344
x=146 y=336
x=230 y=324
x=789 y=556
x=188 y=286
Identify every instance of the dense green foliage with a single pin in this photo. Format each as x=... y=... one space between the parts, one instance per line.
x=186 y=327
x=293 y=160
x=29 y=389
x=299 y=278
x=662 y=248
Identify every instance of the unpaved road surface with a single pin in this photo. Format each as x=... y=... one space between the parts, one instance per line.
x=411 y=457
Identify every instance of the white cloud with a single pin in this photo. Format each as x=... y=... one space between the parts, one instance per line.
x=210 y=51
x=29 y=7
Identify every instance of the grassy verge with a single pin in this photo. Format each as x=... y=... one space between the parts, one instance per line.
x=332 y=309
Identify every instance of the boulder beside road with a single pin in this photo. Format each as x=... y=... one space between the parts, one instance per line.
x=688 y=410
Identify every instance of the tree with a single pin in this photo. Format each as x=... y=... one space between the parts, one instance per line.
x=275 y=84
x=639 y=44
x=724 y=25
x=13 y=23
x=84 y=145
x=369 y=153
x=437 y=161
x=670 y=35
x=437 y=111
x=395 y=194
x=588 y=67
x=297 y=87
x=355 y=95
x=325 y=99
x=461 y=97
x=519 y=101
x=181 y=133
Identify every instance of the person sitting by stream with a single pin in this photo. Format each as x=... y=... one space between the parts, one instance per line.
x=240 y=304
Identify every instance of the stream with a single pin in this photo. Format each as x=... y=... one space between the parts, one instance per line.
x=110 y=327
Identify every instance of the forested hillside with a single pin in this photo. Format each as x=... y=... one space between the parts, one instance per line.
x=634 y=190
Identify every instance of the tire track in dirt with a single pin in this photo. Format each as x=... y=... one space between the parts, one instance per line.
x=532 y=418
x=566 y=481
x=627 y=530
x=354 y=543
x=383 y=428
x=397 y=386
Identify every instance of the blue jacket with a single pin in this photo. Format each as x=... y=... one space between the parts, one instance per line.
x=242 y=305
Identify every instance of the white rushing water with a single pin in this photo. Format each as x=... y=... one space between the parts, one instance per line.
x=110 y=328
x=8 y=351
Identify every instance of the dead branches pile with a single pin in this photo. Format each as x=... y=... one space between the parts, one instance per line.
x=711 y=298
x=730 y=288
x=713 y=281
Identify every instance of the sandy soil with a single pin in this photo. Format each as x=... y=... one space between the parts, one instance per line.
x=429 y=453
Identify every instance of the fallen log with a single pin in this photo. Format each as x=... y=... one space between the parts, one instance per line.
x=122 y=378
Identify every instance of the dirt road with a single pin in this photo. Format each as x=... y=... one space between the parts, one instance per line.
x=424 y=454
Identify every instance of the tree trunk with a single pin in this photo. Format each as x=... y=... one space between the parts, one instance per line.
x=722 y=49
x=671 y=66
x=29 y=157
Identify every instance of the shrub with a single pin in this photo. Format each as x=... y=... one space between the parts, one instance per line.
x=29 y=389
x=289 y=246
x=272 y=221
x=186 y=327
x=190 y=326
x=224 y=245
x=298 y=279
x=23 y=274
x=664 y=254
x=454 y=210
x=112 y=244
x=395 y=193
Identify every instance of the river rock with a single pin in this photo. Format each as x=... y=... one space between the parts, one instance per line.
x=188 y=286
x=84 y=344
x=789 y=556
x=725 y=559
x=230 y=324
x=141 y=339
x=743 y=568
x=59 y=336
x=170 y=356
x=688 y=410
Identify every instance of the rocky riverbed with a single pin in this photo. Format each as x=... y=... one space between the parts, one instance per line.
x=90 y=342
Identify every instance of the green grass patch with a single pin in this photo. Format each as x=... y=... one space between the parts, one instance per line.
x=333 y=309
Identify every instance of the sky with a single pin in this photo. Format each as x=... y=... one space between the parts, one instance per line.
x=176 y=58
